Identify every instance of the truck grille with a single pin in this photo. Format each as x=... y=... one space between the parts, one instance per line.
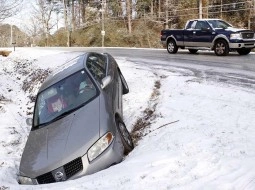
x=70 y=169
x=247 y=35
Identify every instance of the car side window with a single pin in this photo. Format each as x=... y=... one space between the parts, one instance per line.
x=96 y=63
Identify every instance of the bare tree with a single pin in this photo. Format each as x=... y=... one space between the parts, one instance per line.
x=9 y=8
x=43 y=13
x=34 y=30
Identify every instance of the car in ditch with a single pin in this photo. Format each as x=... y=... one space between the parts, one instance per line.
x=77 y=125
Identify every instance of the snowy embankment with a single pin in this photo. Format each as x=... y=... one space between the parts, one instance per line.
x=200 y=134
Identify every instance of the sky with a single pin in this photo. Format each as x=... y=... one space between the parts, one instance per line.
x=201 y=135
x=21 y=19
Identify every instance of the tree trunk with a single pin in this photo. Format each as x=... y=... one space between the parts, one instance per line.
x=73 y=16
x=128 y=5
x=159 y=9
x=167 y=16
x=83 y=6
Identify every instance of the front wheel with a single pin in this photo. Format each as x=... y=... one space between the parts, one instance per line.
x=243 y=51
x=221 y=48
x=172 y=47
x=125 y=137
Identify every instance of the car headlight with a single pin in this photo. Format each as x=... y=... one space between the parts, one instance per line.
x=100 y=146
x=25 y=180
x=235 y=36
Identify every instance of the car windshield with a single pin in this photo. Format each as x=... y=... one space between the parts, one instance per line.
x=63 y=98
x=219 y=24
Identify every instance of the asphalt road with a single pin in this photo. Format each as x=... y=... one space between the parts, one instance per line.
x=233 y=69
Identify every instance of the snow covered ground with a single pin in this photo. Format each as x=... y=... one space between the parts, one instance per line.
x=201 y=133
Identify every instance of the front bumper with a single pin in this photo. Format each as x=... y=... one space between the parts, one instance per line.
x=112 y=155
x=238 y=44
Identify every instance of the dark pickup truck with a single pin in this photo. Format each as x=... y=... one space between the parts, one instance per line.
x=214 y=34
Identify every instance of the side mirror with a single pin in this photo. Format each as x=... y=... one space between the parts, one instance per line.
x=106 y=81
x=29 y=121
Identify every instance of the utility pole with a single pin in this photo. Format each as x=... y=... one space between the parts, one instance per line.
x=13 y=43
x=129 y=12
x=68 y=30
x=11 y=36
x=200 y=9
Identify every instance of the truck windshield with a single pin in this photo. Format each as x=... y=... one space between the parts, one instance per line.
x=63 y=98
x=219 y=24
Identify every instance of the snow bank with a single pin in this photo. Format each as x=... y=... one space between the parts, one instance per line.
x=201 y=134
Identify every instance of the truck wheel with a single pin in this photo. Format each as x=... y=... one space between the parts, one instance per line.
x=221 y=48
x=172 y=47
x=193 y=51
x=243 y=51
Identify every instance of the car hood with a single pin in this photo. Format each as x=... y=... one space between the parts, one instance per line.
x=61 y=142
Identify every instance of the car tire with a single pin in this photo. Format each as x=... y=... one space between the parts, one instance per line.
x=172 y=47
x=193 y=51
x=243 y=51
x=125 y=136
x=221 y=48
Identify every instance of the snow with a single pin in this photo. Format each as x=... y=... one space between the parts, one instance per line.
x=201 y=134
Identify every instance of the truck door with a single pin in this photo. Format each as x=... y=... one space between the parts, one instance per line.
x=203 y=34
x=188 y=33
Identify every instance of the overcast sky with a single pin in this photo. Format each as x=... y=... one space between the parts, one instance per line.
x=21 y=18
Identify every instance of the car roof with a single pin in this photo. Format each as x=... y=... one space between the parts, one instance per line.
x=65 y=70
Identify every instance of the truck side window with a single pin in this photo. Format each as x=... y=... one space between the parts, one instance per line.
x=193 y=24
x=189 y=25
x=201 y=25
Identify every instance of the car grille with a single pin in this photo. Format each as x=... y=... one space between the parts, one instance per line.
x=73 y=167
x=70 y=169
x=46 y=178
x=247 y=35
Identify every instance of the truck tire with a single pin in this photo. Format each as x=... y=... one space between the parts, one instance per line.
x=193 y=51
x=172 y=47
x=243 y=51
x=221 y=48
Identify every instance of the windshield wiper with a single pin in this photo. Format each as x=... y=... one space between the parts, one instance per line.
x=56 y=118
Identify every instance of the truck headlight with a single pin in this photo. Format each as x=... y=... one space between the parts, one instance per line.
x=25 y=180
x=235 y=36
x=100 y=146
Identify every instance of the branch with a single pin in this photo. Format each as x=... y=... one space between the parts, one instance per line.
x=161 y=127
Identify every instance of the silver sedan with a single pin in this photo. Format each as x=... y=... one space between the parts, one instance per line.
x=77 y=126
